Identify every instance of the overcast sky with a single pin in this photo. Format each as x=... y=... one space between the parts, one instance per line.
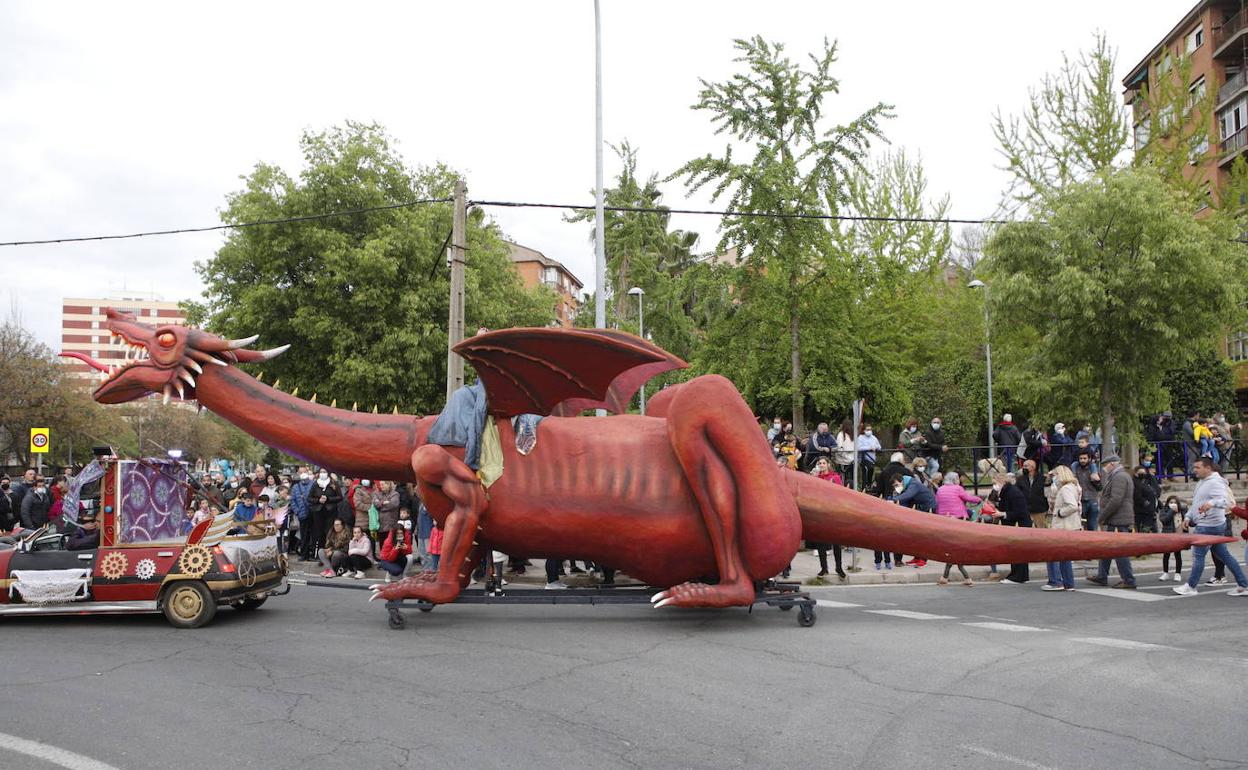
x=139 y=116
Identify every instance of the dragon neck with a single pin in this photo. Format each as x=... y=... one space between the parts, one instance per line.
x=374 y=446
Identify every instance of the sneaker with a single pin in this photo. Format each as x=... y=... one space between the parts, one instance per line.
x=389 y=578
x=1237 y=591
x=887 y=565
x=1178 y=577
x=1069 y=588
x=1011 y=582
x=1100 y=581
x=577 y=571
x=942 y=581
x=879 y=566
x=1183 y=589
x=1164 y=577
x=1216 y=581
x=1050 y=587
x=328 y=573
x=821 y=573
x=968 y=582
x=359 y=573
x=1125 y=584
x=558 y=585
x=994 y=577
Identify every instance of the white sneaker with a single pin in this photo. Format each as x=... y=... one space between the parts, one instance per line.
x=1049 y=587
x=558 y=585
x=1215 y=581
x=1164 y=577
x=1183 y=589
x=359 y=573
x=1178 y=577
x=1237 y=591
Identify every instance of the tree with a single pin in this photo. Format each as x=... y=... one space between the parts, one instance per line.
x=39 y=393
x=1202 y=381
x=799 y=165
x=1073 y=127
x=1096 y=288
x=362 y=298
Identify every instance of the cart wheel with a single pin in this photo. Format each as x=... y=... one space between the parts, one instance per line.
x=785 y=606
x=397 y=620
x=806 y=618
x=424 y=607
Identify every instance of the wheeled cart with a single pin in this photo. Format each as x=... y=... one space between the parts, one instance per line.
x=784 y=596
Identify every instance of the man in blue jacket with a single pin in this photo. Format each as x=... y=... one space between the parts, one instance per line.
x=299 y=505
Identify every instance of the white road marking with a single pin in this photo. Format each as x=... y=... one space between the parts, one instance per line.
x=1003 y=627
x=1121 y=644
x=51 y=754
x=994 y=617
x=835 y=605
x=1005 y=757
x=1122 y=593
x=911 y=615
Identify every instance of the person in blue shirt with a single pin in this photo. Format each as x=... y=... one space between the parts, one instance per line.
x=244 y=507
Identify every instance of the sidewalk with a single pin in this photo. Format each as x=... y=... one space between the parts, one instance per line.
x=804 y=570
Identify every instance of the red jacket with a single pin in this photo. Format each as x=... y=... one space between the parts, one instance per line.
x=397 y=545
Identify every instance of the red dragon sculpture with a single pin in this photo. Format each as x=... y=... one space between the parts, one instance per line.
x=686 y=498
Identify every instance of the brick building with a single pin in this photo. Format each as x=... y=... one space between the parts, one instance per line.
x=537 y=269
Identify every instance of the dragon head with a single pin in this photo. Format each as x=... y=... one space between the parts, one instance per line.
x=166 y=358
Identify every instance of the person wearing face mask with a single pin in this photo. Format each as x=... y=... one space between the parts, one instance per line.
x=36 y=505
x=1013 y=503
x=911 y=441
x=776 y=430
x=397 y=546
x=935 y=445
x=1171 y=513
x=1117 y=515
x=8 y=511
x=299 y=507
x=868 y=445
x=1144 y=497
x=323 y=498
x=361 y=501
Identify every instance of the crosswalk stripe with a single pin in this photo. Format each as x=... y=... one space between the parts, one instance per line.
x=908 y=614
x=1122 y=593
x=1004 y=627
x=1122 y=644
x=836 y=605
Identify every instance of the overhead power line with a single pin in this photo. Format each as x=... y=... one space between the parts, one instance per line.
x=513 y=204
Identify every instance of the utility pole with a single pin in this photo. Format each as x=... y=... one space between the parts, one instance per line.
x=455 y=259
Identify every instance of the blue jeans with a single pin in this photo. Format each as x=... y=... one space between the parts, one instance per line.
x=1008 y=454
x=395 y=568
x=1061 y=573
x=1123 y=562
x=1221 y=551
x=1091 y=512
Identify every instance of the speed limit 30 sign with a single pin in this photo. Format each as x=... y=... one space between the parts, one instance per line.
x=39 y=439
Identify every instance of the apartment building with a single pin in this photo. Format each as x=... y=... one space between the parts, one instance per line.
x=537 y=269
x=1212 y=38
x=83 y=330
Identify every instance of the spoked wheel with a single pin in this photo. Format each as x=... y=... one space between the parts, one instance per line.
x=188 y=605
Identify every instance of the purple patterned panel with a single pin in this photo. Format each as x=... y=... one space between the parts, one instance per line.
x=153 y=501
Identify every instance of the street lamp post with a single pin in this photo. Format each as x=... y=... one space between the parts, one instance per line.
x=992 y=444
x=639 y=293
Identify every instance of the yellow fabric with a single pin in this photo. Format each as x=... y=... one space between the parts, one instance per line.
x=491 y=454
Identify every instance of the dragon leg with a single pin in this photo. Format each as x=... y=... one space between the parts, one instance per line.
x=752 y=521
x=445 y=483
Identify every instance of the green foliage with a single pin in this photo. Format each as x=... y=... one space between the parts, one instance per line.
x=1074 y=126
x=361 y=298
x=1202 y=381
x=1113 y=282
x=954 y=391
x=1178 y=125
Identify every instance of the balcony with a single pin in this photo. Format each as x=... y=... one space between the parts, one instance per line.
x=1230 y=32
x=1231 y=146
x=1231 y=88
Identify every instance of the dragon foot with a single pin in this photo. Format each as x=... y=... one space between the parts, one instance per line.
x=704 y=595
x=418 y=587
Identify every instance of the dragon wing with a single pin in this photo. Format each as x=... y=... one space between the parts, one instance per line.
x=563 y=371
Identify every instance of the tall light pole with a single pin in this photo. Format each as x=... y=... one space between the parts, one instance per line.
x=600 y=256
x=992 y=444
x=639 y=293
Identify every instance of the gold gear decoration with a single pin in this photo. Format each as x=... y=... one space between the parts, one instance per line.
x=195 y=561
x=113 y=566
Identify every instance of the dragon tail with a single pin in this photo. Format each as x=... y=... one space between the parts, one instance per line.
x=835 y=514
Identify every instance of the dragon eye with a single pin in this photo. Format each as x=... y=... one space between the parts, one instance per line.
x=166 y=339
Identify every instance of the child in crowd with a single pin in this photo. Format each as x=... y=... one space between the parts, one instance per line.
x=358 y=551
x=435 y=547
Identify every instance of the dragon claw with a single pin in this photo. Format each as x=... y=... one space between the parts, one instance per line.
x=658 y=596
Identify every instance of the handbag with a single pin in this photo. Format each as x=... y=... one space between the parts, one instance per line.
x=374 y=518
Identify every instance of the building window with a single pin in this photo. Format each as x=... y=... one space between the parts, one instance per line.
x=1237 y=346
x=1195 y=39
x=1231 y=120
x=1163 y=67
x=1141 y=135
x=1196 y=92
x=550 y=276
x=1199 y=146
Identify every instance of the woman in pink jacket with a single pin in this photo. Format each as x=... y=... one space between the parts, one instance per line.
x=951 y=501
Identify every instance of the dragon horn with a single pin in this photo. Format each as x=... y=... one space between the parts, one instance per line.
x=244 y=342
x=256 y=356
x=206 y=358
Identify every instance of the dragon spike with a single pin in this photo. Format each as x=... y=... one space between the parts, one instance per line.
x=271 y=353
x=277 y=384
x=192 y=365
x=259 y=376
x=313 y=399
x=244 y=342
x=206 y=358
x=355 y=406
x=181 y=393
x=374 y=409
x=184 y=374
x=168 y=395
x=295 y=392
x=396 y=409
x=333 y=404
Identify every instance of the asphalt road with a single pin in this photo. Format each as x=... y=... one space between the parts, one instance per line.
x=991 y=676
